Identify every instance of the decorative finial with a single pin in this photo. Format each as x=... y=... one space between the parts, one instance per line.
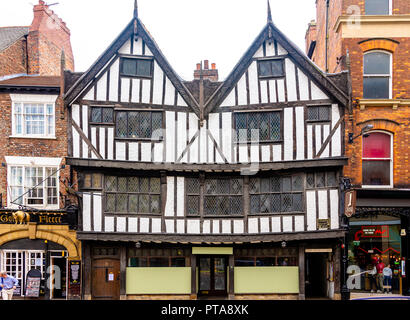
x=135 y=18
x=269 y=13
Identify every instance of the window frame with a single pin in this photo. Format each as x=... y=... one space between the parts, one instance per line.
x=318 y=107
x=129 y=57
x=151 y=139
x=24 y=134
x=390 y=76
x=101 y=107
x=391 y=161
x=250 y=141
x=390 y=9
x=280 y=58
x=45 y=187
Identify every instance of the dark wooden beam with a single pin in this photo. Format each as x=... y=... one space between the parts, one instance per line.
x=204 y=238
x=170 y=167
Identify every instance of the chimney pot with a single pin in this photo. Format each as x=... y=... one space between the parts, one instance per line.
x=198 y=66
x=213 y=66
x=206 y=65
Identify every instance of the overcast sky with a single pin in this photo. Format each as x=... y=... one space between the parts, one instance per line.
x=187 y=31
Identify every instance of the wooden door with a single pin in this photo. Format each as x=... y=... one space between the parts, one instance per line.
x=106 y=279
x=212 y=276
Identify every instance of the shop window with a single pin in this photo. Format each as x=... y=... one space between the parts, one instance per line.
x=136 y=67
x=258 y=127
x=267 y=257
x=137 y=125
x=272 y=68
x=377 y=75
x=377 y=159
x=157 y=258
x=132 y=194
x=377 y=7
x=276 y=194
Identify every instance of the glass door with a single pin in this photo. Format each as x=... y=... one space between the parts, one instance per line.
x=212 y=276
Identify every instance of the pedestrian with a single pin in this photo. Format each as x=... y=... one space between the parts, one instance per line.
x=372 y=273
x=380 y=266
x=387 y=277
x=8 y=285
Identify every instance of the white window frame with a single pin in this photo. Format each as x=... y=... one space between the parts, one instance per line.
x=390 y=8
x=33 y=99
x=29 y=162
x=381 y=75
x=391 y=159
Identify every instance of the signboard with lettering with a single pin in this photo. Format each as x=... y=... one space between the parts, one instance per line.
x=375 y=232
x=33 y=283
x=47 y=218
x=74 y=279
x=350 y=203
x=323 y=224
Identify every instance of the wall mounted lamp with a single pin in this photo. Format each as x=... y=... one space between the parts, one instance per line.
x=362 y=133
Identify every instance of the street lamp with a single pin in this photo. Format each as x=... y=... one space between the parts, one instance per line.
x=362 y=133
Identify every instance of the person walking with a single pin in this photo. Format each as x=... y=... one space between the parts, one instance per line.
x=387 y=277
x=8 y=285
x=379 y=267
x=372 y=273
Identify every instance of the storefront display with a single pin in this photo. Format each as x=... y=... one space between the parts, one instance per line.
x=371 y=240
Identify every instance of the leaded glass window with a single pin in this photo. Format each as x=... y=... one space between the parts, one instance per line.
x=271 y=68
x=318 y=113
x=138 y=125
x=258 y=126
x=102 y=115
x=223 y=196
x=193 y=196
x=136 y=67
x=132 y=194
x=322 y=179
x=276 y=194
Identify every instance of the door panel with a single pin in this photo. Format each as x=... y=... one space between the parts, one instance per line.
x=106 y=279
x=212 y=276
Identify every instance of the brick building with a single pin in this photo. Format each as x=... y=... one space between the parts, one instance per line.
x=372 y=39
x=37 y=217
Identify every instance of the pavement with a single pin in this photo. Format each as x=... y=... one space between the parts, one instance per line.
x=376 y=296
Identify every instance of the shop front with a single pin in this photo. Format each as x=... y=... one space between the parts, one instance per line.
x=378 y=234
x=41 y=251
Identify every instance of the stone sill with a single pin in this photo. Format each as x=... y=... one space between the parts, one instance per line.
x=33 y=137
x=363 y=103
x=372 y=19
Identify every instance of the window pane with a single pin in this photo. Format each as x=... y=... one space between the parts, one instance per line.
x=121 y=125
x=313 y=113
x=107 y=115
x=264 y=127
x=377 y=7
x=177 y=262
x=286 y=184
x=122 y=201
x=277 y=68
x=276 y=203
x=320 y=179
x=376 y=63
x=275 y=126
x=297 y=183
x=96 y=114
x=155 y=185
x=376 y=88
x=144 y=68
x=376 y=172
x=133 y=185
x=241 y=130
x=158 y=262
x=110 y=183
x=133 y=124
x=143 y=203
x=265 y=261
x=96 y=180
x=211 y=206
x=377 y=145
x=297 y=202
x=265 y=69
x=156 y=124
x=253 y=127
x=286 y=202
x=110 y=203
x=192 y=186
x=310 y=180
x=255 y=207
x=132 y=203
x=193 y=205
x=276 y=183
x=236 y=205
x=331 y=179
x=122 y=184
x=324 y=113
x=129 y=67
x=155 y=204
x=145 y=125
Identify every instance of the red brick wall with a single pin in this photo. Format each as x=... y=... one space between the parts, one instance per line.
x=30 y=147
x=13 y=59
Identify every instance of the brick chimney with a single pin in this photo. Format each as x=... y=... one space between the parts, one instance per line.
x=48 y=37
x=310 y=38
x=208 y=74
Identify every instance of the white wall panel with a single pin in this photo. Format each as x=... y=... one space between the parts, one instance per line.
x=169 y=205
x=146 y=91
x=170 y=226
x=144 y=225
x=303 y=86
x=133 y=225
x=87 y=212
x=253 y=83
x=158 y=84
x=170 y=136
x=242 y=95
x=300 y=133
x=114 y=75
x=182 y=136
x=109 y=224
x=180 y=226
x=311 y=210
x=120 y=150
x=193 y=226
x=322 y=202
x=133 y=151
x=97 y=212
x=334 y=209
x=102 y=88
x=125 y=89
x=264 y=225
x=276 y=225
x=226 y=226
x=253 y=225
x=287 y=224
x=291 y=80
x=238 y=226
x=135 y=92
x=180 y=196
x=121 y=224
x=156 y=225
x=288 y=134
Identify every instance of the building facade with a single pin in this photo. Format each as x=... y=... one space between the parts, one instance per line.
x=208 y=188
x=371 y=39
x=38 y=214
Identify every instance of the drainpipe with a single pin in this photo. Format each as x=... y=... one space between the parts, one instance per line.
x=327 y=36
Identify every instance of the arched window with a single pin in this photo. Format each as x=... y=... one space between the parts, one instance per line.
x=377 y=160
x=377 y=7
x=377 y=75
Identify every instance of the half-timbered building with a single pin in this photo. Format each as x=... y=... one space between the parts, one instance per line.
x=193 y=188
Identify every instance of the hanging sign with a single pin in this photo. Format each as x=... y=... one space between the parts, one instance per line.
x=350 y=203
x=33 y=283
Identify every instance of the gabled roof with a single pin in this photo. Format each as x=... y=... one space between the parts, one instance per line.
x=303 y=62
x=9 y=35
x=125 y=35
